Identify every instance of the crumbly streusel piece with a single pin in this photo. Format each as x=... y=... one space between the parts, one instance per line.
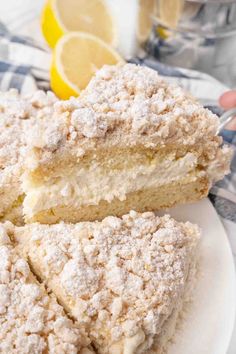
x=18 y=116
x=125 y=278
x=130 y=141
x=31 y=321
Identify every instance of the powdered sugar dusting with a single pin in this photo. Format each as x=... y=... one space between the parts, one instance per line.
x=31 y=321
x=137 y=101
x=89 y=124
x=121 y=276
x=18 y=115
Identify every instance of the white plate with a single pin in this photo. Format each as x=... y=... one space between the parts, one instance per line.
x=208 y=324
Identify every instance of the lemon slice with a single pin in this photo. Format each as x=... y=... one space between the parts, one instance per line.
x=76 y=57
x=169 y=12
x=62 y=16
x=146 y=9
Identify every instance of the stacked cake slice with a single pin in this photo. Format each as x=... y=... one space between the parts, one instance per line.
x=130 y=141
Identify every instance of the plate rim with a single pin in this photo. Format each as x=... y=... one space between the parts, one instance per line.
x=206 y=203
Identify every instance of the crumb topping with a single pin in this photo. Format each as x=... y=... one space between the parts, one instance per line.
x=18 y=116
x=131 y=100
x=30 y=320
x=122 y=276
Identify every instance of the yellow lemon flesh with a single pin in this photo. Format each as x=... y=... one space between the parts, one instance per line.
x=62 y=16
x=76 y=58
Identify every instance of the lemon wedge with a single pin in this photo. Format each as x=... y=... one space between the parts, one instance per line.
x=76 y=58
x=62 y=16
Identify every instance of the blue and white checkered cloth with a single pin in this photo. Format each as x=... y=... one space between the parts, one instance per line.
x=24 y=65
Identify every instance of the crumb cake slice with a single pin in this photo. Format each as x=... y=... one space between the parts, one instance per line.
x=130 y=141
x=126 y=278
x=31 y=321
x=17 y=117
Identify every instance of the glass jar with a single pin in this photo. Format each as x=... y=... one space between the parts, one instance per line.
x=197 y=35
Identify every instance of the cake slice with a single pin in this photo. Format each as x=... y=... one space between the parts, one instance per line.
x=130 y=141
x=18 y=115
x=126 y=278
x=31 y=321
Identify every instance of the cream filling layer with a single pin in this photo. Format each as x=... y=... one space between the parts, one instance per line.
x=90 y=186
